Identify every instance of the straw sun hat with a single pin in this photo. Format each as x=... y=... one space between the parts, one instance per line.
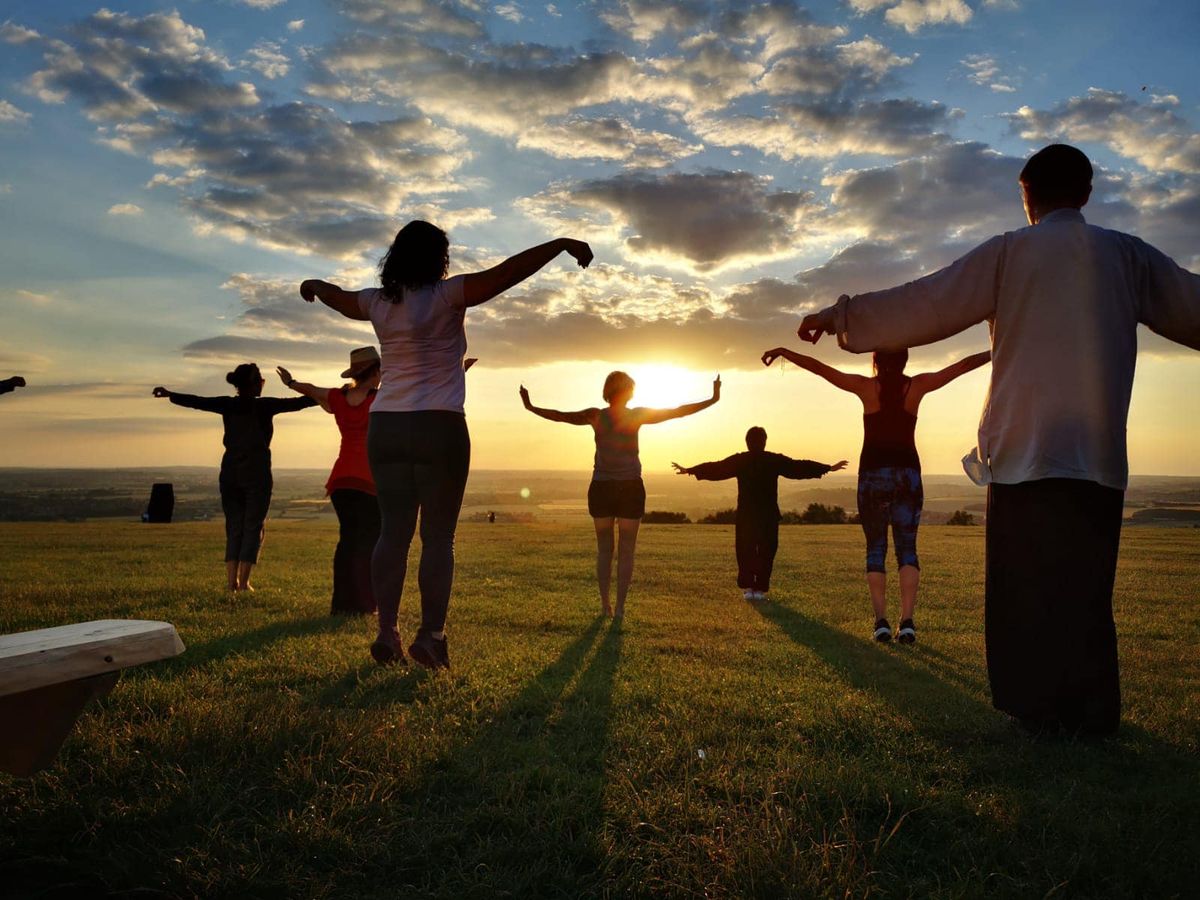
x=361 y=360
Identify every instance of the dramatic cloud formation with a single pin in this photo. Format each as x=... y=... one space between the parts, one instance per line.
x=1153 y=134
x=697 y=222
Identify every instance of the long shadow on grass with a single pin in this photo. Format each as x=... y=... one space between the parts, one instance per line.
x=1080 y=811
x=255 y=640
x=519 y=809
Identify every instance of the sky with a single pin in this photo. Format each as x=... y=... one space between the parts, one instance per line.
x=170 y=172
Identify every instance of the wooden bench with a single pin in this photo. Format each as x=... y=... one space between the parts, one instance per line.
x=48 y=676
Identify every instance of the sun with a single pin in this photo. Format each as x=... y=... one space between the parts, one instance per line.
x=663 y=385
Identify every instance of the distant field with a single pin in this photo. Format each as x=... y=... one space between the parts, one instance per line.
x=706 y=748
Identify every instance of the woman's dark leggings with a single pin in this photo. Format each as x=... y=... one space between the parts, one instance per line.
x=358 y=532
x=419 y=461
x=245 y=504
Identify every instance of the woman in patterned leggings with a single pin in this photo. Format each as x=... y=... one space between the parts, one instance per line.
x=889 y=469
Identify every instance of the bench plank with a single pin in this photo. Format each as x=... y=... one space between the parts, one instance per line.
x=36 y=659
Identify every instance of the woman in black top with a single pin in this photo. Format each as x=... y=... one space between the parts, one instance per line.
x=889 y=469
x=246 y=466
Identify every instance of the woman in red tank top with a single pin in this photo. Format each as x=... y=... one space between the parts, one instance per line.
x=350 y=486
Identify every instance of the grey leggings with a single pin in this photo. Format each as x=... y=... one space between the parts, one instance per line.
x=419 y=461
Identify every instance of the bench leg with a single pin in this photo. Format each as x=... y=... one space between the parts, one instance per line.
x=34 y=724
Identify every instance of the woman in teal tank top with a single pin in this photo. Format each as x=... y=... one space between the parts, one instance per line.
x=616 y=495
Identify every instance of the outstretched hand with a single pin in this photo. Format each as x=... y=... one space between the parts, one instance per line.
x=816 y=324
x=284 y=375
x=18 y=381
x=771 y=355
x=161 y=391
x=308 y=289
x=717 y=388
x=525 y=397
x=580 y=251
x=681 y=470
x=838 y=466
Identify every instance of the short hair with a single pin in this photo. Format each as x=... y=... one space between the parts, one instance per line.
x=756 y=438
x=616 y=384
x=1058 y=174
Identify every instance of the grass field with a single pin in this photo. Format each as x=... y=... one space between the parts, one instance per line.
x=706 y=748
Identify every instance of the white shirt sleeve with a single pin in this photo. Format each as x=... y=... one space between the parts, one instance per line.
x=452 y=293
x=1170 y=304
x=365 y=298
x=928 y=309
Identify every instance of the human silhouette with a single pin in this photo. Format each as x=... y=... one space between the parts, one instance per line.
x=417 y=441
x=890 y=491
x=350 y=487
x=616 y=494
x=756 y=531
x=245 y=479
x=1064 y=299
x=8 y=385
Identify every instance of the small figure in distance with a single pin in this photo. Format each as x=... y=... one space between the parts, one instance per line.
x=616 y=494
x=889 y=469
x=1064 y=299
x=418 y=443
x=245 y=479
x=350 y=487
x=756 y=532
x=8 y=385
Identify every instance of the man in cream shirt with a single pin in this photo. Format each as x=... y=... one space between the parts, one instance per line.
x=1063 y=300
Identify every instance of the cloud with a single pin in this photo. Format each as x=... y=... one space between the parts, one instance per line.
x=125 y=209
x=913 y=15
x=268 y=59
x=510 y=11
x=120 y=67
x=298 y=177
x=295 y=25
x=985 y=71
x=262 y=4
x=1153 y=135
x=701 y=222
x=829 y=129
x=644 y=20
x=422 y=16
x=608 y=138
x=11 y=115
x=12 y=33
x=552 y=10
x=24 y=296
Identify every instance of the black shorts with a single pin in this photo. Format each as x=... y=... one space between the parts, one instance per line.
x=622 y=499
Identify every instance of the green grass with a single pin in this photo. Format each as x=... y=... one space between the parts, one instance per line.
x=562 y=756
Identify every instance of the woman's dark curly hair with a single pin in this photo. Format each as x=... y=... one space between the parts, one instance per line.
x=419 y=255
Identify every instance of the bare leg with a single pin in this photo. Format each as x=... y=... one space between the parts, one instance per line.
x=243 y=575
x=604 y=558
x=627 y=530
x=877 y=582
x=231 y=582
x=910 y=577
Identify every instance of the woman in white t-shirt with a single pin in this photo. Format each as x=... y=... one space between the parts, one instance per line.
x=417 y=442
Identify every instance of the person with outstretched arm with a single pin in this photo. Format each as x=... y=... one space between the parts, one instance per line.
x=417 y=440
x=890 y=490
x=1064 y=299
x=616 y=494
x=245 y=479
x=8 y=385
x=756 y=531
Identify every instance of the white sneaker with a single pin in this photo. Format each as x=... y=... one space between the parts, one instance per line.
x=761 y=595
x=748 y=596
